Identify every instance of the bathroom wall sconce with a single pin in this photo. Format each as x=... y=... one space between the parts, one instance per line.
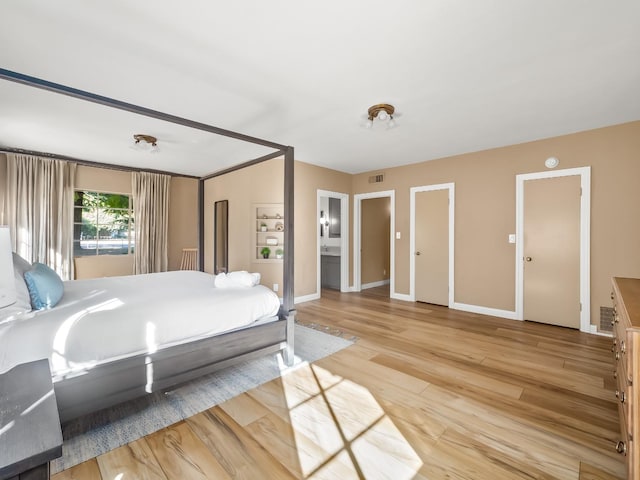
x=551 y=162
x=323 y=220
x=324 y=223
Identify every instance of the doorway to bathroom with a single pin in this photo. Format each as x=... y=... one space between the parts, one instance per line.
x=333 y=241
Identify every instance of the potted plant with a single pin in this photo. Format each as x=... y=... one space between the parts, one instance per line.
x=266 y=251
x=263 y=227
x=279 y=253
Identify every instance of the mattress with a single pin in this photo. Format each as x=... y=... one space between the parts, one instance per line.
x=106 y=319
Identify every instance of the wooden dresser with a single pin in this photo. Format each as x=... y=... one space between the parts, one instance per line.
x=626 y=350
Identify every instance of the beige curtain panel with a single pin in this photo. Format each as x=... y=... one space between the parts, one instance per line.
x=39 y=210
x=151 y=220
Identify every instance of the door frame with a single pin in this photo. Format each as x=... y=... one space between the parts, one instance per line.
x=585 y=244
x=412 y=238
x=357 y=232
x=344 y=239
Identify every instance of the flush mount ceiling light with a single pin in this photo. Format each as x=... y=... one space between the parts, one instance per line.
x=382 y=112
x=142 y=141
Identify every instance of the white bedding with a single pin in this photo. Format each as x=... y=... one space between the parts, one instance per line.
x=106 y=319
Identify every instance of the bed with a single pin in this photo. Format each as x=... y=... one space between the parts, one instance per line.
x=117 y=379
x=112 y=339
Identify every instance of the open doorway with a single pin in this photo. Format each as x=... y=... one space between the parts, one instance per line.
x=333 y=241
x=374 y=258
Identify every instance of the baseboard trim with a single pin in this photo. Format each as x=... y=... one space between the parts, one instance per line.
x=401 y=296
x=306 y=298
x=379 y=283
x=494 y=312
x=593 y=329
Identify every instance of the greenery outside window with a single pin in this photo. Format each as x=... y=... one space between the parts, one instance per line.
x=102 y=224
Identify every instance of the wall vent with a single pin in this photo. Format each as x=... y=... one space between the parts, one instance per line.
x=606 y=316
x=376 y=178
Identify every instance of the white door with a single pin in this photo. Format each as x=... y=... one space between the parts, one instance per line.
x=551 y=248
x=432 y=247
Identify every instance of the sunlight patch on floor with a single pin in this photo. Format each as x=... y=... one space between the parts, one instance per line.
x=341 y=431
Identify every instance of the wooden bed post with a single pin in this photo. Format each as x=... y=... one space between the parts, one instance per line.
x=201 y=225
x=287 y=264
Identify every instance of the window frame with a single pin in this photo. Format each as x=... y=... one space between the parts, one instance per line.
x=95 y=252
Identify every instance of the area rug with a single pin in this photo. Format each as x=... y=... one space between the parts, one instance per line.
x=98 y=433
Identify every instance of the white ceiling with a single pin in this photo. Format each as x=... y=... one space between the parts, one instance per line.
x=463 y=75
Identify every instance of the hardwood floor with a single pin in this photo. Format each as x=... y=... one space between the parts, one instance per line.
x=425 y=392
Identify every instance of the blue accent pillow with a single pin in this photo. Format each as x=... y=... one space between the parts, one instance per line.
x=45 y=286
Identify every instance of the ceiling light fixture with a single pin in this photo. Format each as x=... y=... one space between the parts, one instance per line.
x=142 y=140
x=383 y=112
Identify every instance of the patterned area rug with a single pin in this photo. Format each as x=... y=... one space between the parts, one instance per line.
x=95 y=434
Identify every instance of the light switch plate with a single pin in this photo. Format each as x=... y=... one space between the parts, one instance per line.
x=512 y=238
x=397 y=235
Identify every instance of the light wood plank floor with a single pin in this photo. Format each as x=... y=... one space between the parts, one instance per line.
x=426 y=392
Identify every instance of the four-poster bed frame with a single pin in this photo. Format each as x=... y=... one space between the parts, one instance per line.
x=122 y=380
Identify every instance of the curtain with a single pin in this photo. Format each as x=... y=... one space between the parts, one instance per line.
x=39 y=210
x=151 y=220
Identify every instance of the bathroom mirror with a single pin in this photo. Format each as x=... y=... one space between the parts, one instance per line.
x=221 y=237
x=334 y=217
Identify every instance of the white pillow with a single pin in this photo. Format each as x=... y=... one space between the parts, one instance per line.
x=237 y=279
x=20 y=265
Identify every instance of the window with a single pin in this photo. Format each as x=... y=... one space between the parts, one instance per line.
x=102 y=224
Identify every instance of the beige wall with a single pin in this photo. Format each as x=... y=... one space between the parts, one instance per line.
x=375 y=218
x=308 y=180
x=183 y=218
x=485 y=210
x=263 y=183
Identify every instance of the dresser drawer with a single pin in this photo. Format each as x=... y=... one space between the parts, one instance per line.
x=626 y=332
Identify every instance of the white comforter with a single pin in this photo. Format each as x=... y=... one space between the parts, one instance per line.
x=106 y=319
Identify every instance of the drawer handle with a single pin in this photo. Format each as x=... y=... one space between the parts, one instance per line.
x=615 y=374
x=621 y=448
x=612 y=296
x=613 y=346
x=617 y=355
x=622 y=397
x=623 y=347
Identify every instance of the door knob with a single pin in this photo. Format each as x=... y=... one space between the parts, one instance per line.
x=417 y=253
x=528 y=259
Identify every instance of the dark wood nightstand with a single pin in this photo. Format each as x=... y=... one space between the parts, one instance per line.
x=30 y=434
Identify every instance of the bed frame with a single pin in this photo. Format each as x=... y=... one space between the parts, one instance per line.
x=122 y=380
x=113 y=383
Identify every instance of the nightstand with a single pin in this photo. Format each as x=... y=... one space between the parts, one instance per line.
x=30 y=434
